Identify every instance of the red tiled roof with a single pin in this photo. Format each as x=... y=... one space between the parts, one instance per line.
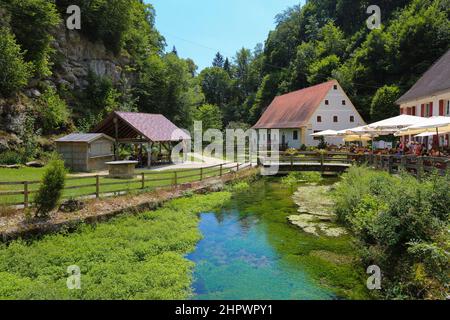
x=293 y=110
x=154 y=127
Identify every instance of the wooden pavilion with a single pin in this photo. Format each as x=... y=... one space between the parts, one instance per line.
x=141 y=129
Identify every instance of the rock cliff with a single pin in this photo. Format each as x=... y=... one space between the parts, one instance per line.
x=74 y=57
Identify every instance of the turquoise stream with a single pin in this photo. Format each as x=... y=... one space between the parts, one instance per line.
x=249 y=251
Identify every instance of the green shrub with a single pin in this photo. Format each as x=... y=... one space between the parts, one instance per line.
x=14 y=71
x=53 y=111
x=28 y=135
x=51 y=188
x=322 y=144
x=291 y=151
x=401 y=225
x=10 y=157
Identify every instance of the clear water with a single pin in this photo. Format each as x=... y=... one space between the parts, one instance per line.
x=249 y=251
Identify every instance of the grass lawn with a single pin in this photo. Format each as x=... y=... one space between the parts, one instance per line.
x=130 y=257
x=86 y=186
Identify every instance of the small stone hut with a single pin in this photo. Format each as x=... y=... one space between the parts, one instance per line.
x=85 y=152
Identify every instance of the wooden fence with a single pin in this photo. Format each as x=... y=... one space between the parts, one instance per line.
x=409 y=163
x=96 y=186
x=338 y=161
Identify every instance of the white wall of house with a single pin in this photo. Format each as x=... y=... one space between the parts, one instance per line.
x=290 y=137
x=408 y=107
x=344 y=111
x=293 y=140
x=414 y=107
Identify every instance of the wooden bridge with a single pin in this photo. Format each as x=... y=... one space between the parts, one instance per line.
x=305 y=161
x=338 y=162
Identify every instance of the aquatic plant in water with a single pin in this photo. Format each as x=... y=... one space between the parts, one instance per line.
x=315 y=207
x=295 y=178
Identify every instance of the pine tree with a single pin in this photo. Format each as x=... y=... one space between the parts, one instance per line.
x=174 y=51
x=227 y=66
x=218 y=61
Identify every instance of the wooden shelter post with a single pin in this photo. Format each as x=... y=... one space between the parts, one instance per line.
x=116 y=144
x=149 y=154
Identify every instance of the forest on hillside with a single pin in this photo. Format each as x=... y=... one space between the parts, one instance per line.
x=311 y=43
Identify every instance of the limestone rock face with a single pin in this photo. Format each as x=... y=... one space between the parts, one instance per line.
x=12 y=116
x=315 y=208
x=77 y=56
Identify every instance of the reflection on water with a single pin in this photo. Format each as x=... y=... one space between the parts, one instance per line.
x=249 y=251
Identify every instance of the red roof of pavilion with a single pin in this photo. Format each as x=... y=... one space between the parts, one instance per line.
x=153 y=127
x=293 y=110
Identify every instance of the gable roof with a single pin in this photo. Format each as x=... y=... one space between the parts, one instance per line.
x=152 y=127
x=293 y=110
x=83 y=137
x=434 y=81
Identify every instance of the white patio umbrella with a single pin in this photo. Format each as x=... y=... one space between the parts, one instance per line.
x=326 y=133
x=364 y=133
x=394 y=124
x=435 y=124
x=351 y=138
x=430 y=134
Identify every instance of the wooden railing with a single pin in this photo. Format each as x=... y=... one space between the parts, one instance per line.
x=96 y=186
x=412 y=164
x=391 y=163
x=307 y=157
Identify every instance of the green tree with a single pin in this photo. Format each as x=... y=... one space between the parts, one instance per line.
x=50 y=190
x=227 y=66
x=218 y=61
x=32 y=22
x=331 y=41
x=14 y=71
x=110 y=21
x=166 y=85
x=141 y=37
x=322 y=70
x=53 y=111
x=383 y=103
x=210 y=115
x=216 y=85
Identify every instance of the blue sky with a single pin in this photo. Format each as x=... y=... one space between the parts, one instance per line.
x=200 y=28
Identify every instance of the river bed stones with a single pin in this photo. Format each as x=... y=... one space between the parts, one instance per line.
x=315 y=207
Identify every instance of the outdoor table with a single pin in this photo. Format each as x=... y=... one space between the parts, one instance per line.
x=121 y=169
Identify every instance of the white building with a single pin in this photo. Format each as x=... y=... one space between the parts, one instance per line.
x=430 y=95
x=299 y=114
